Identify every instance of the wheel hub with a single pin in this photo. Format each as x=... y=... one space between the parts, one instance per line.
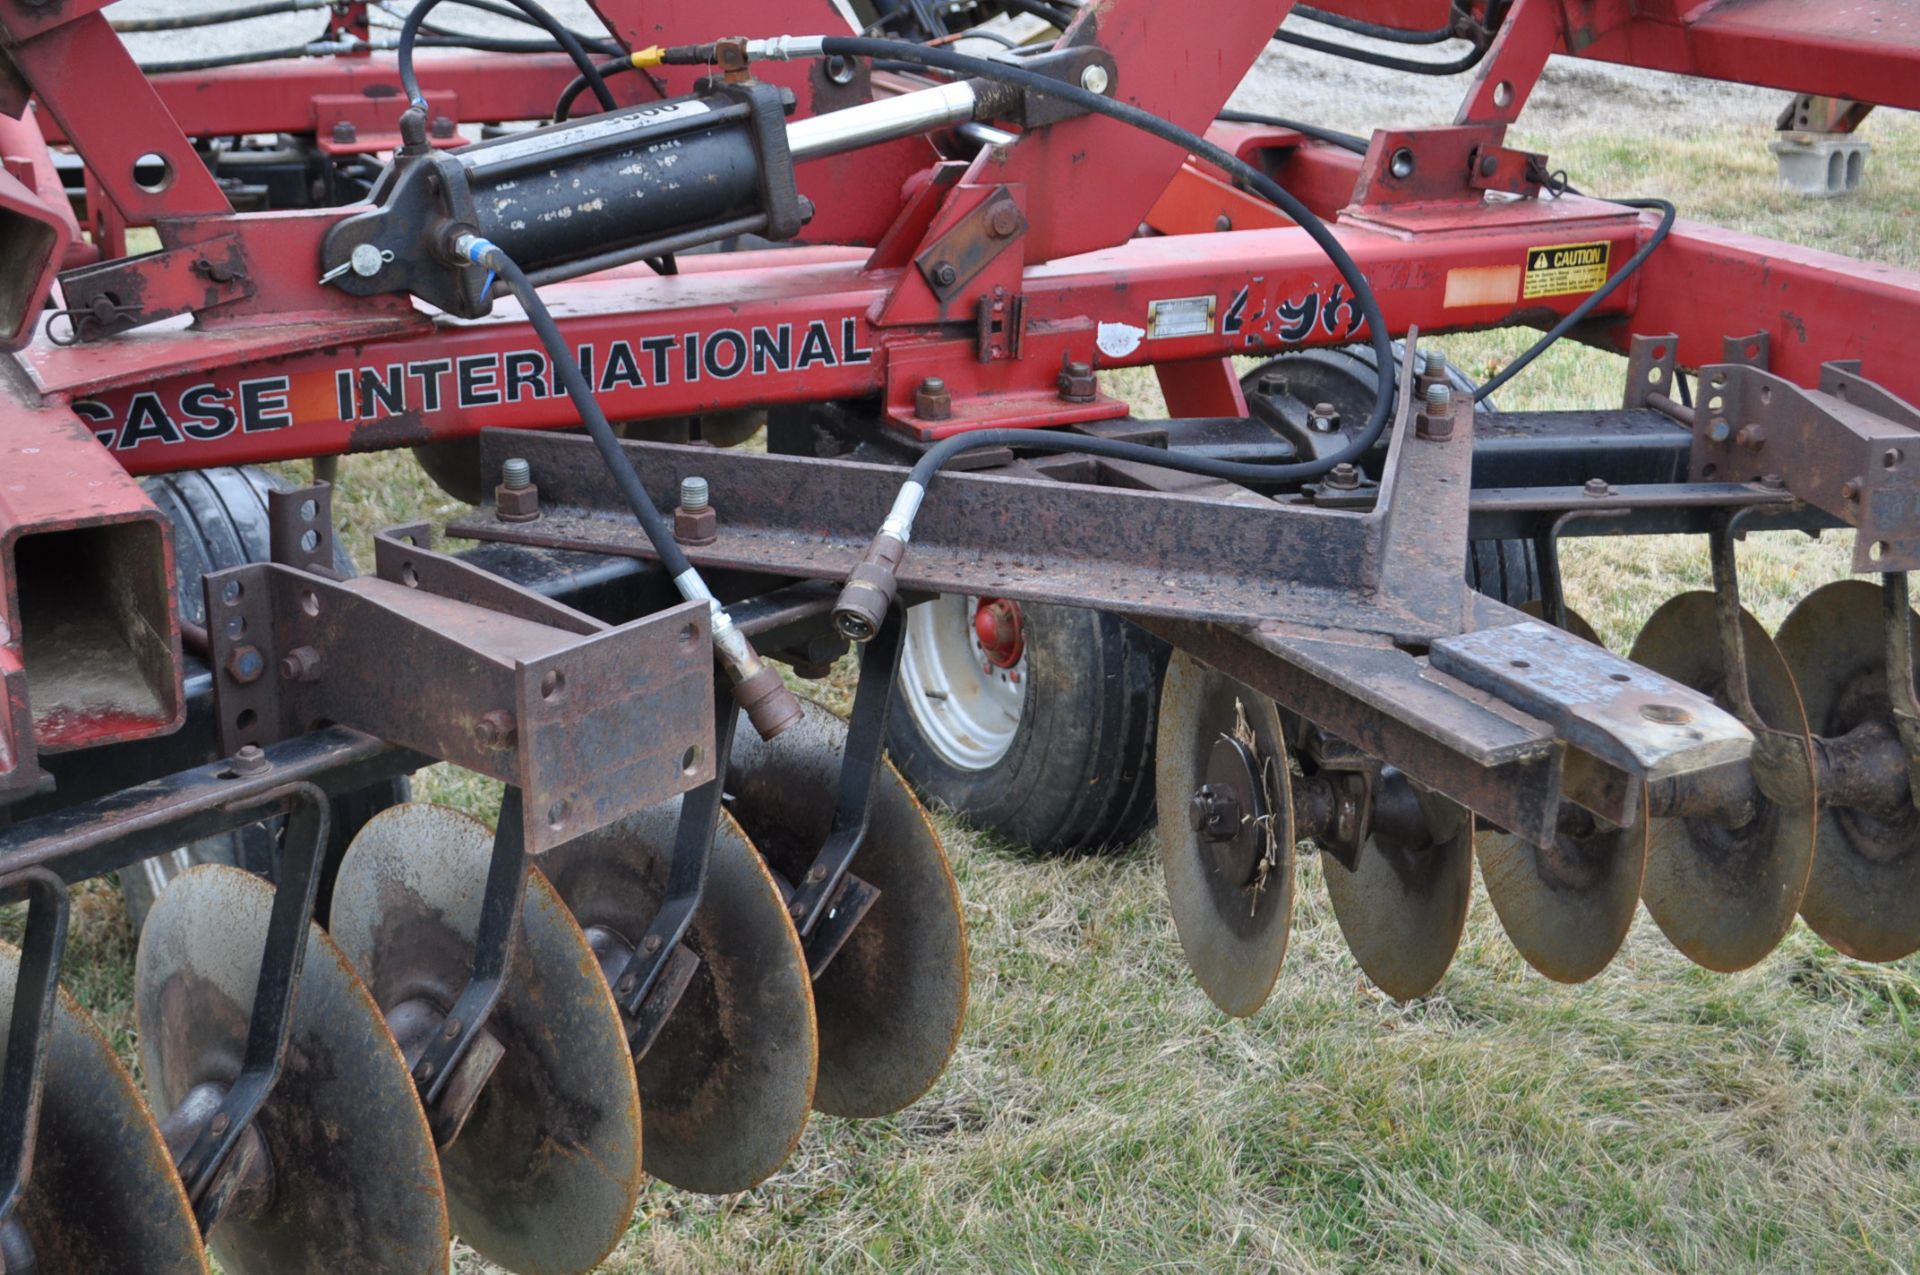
x=1229 y=811
x=1001 y=631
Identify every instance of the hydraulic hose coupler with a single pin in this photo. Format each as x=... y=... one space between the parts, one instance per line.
x=863 y=603
x=757 y=688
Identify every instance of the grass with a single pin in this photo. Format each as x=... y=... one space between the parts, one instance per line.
x=1099 y=1115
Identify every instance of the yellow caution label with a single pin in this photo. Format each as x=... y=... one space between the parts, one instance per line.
x=1562 y=269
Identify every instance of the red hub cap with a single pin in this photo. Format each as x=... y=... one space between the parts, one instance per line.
x=1002 y=634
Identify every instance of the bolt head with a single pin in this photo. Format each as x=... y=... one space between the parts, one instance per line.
x=245 y=664
x=1850 y=489
x=1004 y=220
x=1094 y=79
x=1720 y=432
x=1598 y=487
x=945 y=275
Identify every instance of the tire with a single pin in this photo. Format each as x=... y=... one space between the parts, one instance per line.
x=1075 y=772
x=219 y=519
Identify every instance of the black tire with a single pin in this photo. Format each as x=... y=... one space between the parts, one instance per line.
x=219 y=519
x=1078 y=773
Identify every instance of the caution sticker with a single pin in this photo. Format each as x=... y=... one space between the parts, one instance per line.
x=1559 y=270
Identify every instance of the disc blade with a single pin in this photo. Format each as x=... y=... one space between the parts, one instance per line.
x=1725 y=896
x=1231 y=912
x=728 y=1083
x=101 y=1194
x=544 y=1175
x=355 y=1182
x=1863 y=895
x=891 y=1003
x=1403 y=904
x=1566 y=908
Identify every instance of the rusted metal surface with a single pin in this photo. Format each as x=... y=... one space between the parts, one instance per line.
x=103 y=1195
x=728 y=1083
x=356 y=1182
x=1725 y=885
x=1566 y=907
x=890 y=1005
x=1402 y=905
x=1864 y=892
x=1174 y=555
x=1850 y=447
x=574 y=720
x=1232 y=899
x=544 y=1175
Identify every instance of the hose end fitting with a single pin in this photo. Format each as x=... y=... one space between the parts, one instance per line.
x=770 y=705
x=863 y=604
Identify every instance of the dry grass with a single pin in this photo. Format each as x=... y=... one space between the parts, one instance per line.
x=1101 y=1116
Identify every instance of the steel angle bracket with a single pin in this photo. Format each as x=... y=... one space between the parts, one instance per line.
x=1393 y=569
x=1850 y=448
x=590 y=722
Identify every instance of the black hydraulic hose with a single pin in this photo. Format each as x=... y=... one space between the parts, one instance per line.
x=1039 y=9
x=563 y=108
x=769 y=705
x=1413 y=66
x=1586 y=307
x=1249 y=176
x=1333 y=137
x=1372 y=30
x=184 y=21
x=410 y=33
x=219 y=60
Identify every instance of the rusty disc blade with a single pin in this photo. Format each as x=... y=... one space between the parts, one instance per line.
x=1231 y=898
x=101 y=1194
x=356 y=1185
x=1403 y=904
x=1576 y=623
x=544 y=1175
x=1567 y=907
x=1863 y=895
x=890 y=1004
x=1725 y=896
x=728 y=1082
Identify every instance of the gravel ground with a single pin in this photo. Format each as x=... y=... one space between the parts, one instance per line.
x=1289 y=81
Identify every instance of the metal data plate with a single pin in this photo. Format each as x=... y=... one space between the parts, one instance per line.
x=1647 y=725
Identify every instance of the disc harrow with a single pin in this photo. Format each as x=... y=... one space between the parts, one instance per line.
x=709 y=907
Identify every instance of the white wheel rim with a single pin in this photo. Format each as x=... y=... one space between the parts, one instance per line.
x=967 y=709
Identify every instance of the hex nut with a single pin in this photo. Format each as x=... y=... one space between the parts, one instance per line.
x=695 y=526
x=516 y=504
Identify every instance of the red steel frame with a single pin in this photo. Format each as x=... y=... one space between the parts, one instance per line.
x=294 y=369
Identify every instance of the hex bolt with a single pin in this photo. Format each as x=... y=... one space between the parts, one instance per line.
x=1003 y=220
x=931 y=402
x=344 y=133
x=1343 y=477
x=1094 y=79
x=219 y=1123
x=245 y=664
x=1077 y=383
x=442 y=126
x=944 y=275
x=1598 y=487
x=1323 y=418
x=516 y=499
x=1720 y=432
x=1436 y=421
x=1773 y=482
x=1489 y=165
x=301 y=664
x=651 y=943
x=1223 y=222
x=1751 y=437
x=1270 y=385
x=1850 y=489
x=695 y=521
x=250 y=760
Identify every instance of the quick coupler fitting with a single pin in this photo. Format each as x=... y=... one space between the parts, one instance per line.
x=864 y=602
